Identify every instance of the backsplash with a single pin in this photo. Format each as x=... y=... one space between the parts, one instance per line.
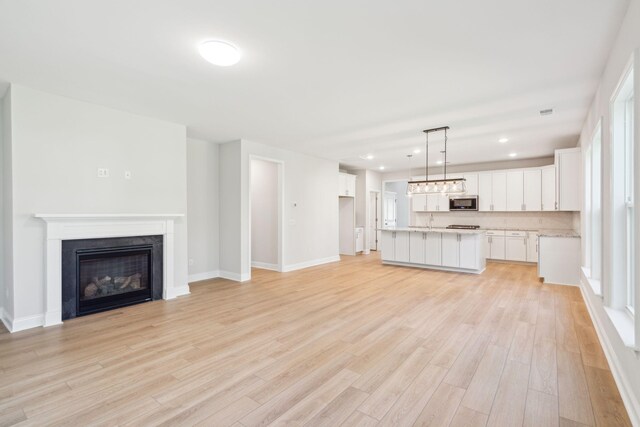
x=499 y=220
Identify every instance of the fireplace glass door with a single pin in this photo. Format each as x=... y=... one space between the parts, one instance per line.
x=113 y=277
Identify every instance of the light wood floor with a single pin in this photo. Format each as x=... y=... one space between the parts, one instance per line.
x=353 y=343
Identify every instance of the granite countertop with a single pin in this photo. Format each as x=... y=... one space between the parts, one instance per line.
x=433 y=230
x=558 y=233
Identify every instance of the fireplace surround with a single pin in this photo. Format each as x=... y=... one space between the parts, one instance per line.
x=61 y=227
x=107 y=273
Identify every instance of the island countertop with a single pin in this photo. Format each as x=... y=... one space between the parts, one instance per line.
x=434 y=230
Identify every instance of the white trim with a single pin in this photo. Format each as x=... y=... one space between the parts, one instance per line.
x=177 y=291
x=207 y=275
x=630 y=400
x=265 y=265
x=312 y=263
x=236 y=277
x=61 y=227
x=27 y=322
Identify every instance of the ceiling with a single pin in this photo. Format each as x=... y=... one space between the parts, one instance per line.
x=336 y=79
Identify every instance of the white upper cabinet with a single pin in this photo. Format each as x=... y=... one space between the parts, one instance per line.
x=515 y=191
x=419 y=203
x=532 y=190
x=548 y=188
x=499 y=190
x=472 y=183
x=346 y=185
x=568 y=169
x=484 y=191
x=492 y=191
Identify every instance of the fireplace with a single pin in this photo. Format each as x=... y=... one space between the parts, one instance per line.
x=103 y=274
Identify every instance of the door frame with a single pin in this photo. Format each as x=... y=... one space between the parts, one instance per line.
x=384 y=190
x=374 y=223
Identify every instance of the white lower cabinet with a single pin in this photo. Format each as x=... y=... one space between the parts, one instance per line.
x=450 y=250
x=495 y=244
x=417 y=246
x=469 y=246
x=388 y=246
x=532 y=246
x=402 y=246
x=433 y=249
x=516 y=246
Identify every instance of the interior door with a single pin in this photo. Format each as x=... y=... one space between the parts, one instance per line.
x=390 y=219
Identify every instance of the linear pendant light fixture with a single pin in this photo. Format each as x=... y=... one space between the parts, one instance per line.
x=435 y=186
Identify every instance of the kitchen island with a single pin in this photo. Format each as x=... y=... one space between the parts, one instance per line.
x=434 y=248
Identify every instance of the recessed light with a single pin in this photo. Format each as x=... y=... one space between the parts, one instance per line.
x=513 y=154
x=416 y=151
x=219 y=53
x=381 y=168
x=503 y=140
x=439 y=162
x=367 y=157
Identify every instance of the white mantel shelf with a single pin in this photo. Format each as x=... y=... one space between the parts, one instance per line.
x=103 y=216
x=92 y=226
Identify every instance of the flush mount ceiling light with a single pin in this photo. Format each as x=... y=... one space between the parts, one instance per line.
x=219 y=53
x=503 y=140
x=444 y=185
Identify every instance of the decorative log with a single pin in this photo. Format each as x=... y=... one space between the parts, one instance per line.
x=135 y=281
x=105 y=280
x=90 y=290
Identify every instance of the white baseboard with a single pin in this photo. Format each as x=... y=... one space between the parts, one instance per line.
x=204 y=276
x=27 y=322
x=178 y=291
x=236 y=277
x=631 y=402
x=312 y=263
x=265 y=265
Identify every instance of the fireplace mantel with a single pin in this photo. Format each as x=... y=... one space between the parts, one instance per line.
x=89 y=226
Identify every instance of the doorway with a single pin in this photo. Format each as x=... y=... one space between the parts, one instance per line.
x=390 y=209
x=266 y=196
x=375 y=216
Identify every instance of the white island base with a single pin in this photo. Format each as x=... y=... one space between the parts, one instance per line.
x=438 y=249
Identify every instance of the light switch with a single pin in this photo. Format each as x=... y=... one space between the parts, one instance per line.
x=103 y=173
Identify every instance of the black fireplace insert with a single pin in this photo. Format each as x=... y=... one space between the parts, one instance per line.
x=103 y=274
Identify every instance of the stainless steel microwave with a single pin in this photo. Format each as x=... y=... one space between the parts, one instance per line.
x=463 y=203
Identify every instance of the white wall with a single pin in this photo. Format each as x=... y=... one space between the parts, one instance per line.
x=202 y=206
x=230 y=176
x=58 y=145
x=403 y=208
x=264 y=213
x=7 y=210
x=2 y=201
x=310 y=231
x=625 y=362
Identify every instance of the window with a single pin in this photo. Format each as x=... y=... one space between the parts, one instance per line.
x=596 y=206
x=629 y=177
x=623 y=215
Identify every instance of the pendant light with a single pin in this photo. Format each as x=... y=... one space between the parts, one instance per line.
x=435 y=186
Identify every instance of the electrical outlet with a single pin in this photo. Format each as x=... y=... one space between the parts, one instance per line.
x=127 y=175
x=103 y=173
